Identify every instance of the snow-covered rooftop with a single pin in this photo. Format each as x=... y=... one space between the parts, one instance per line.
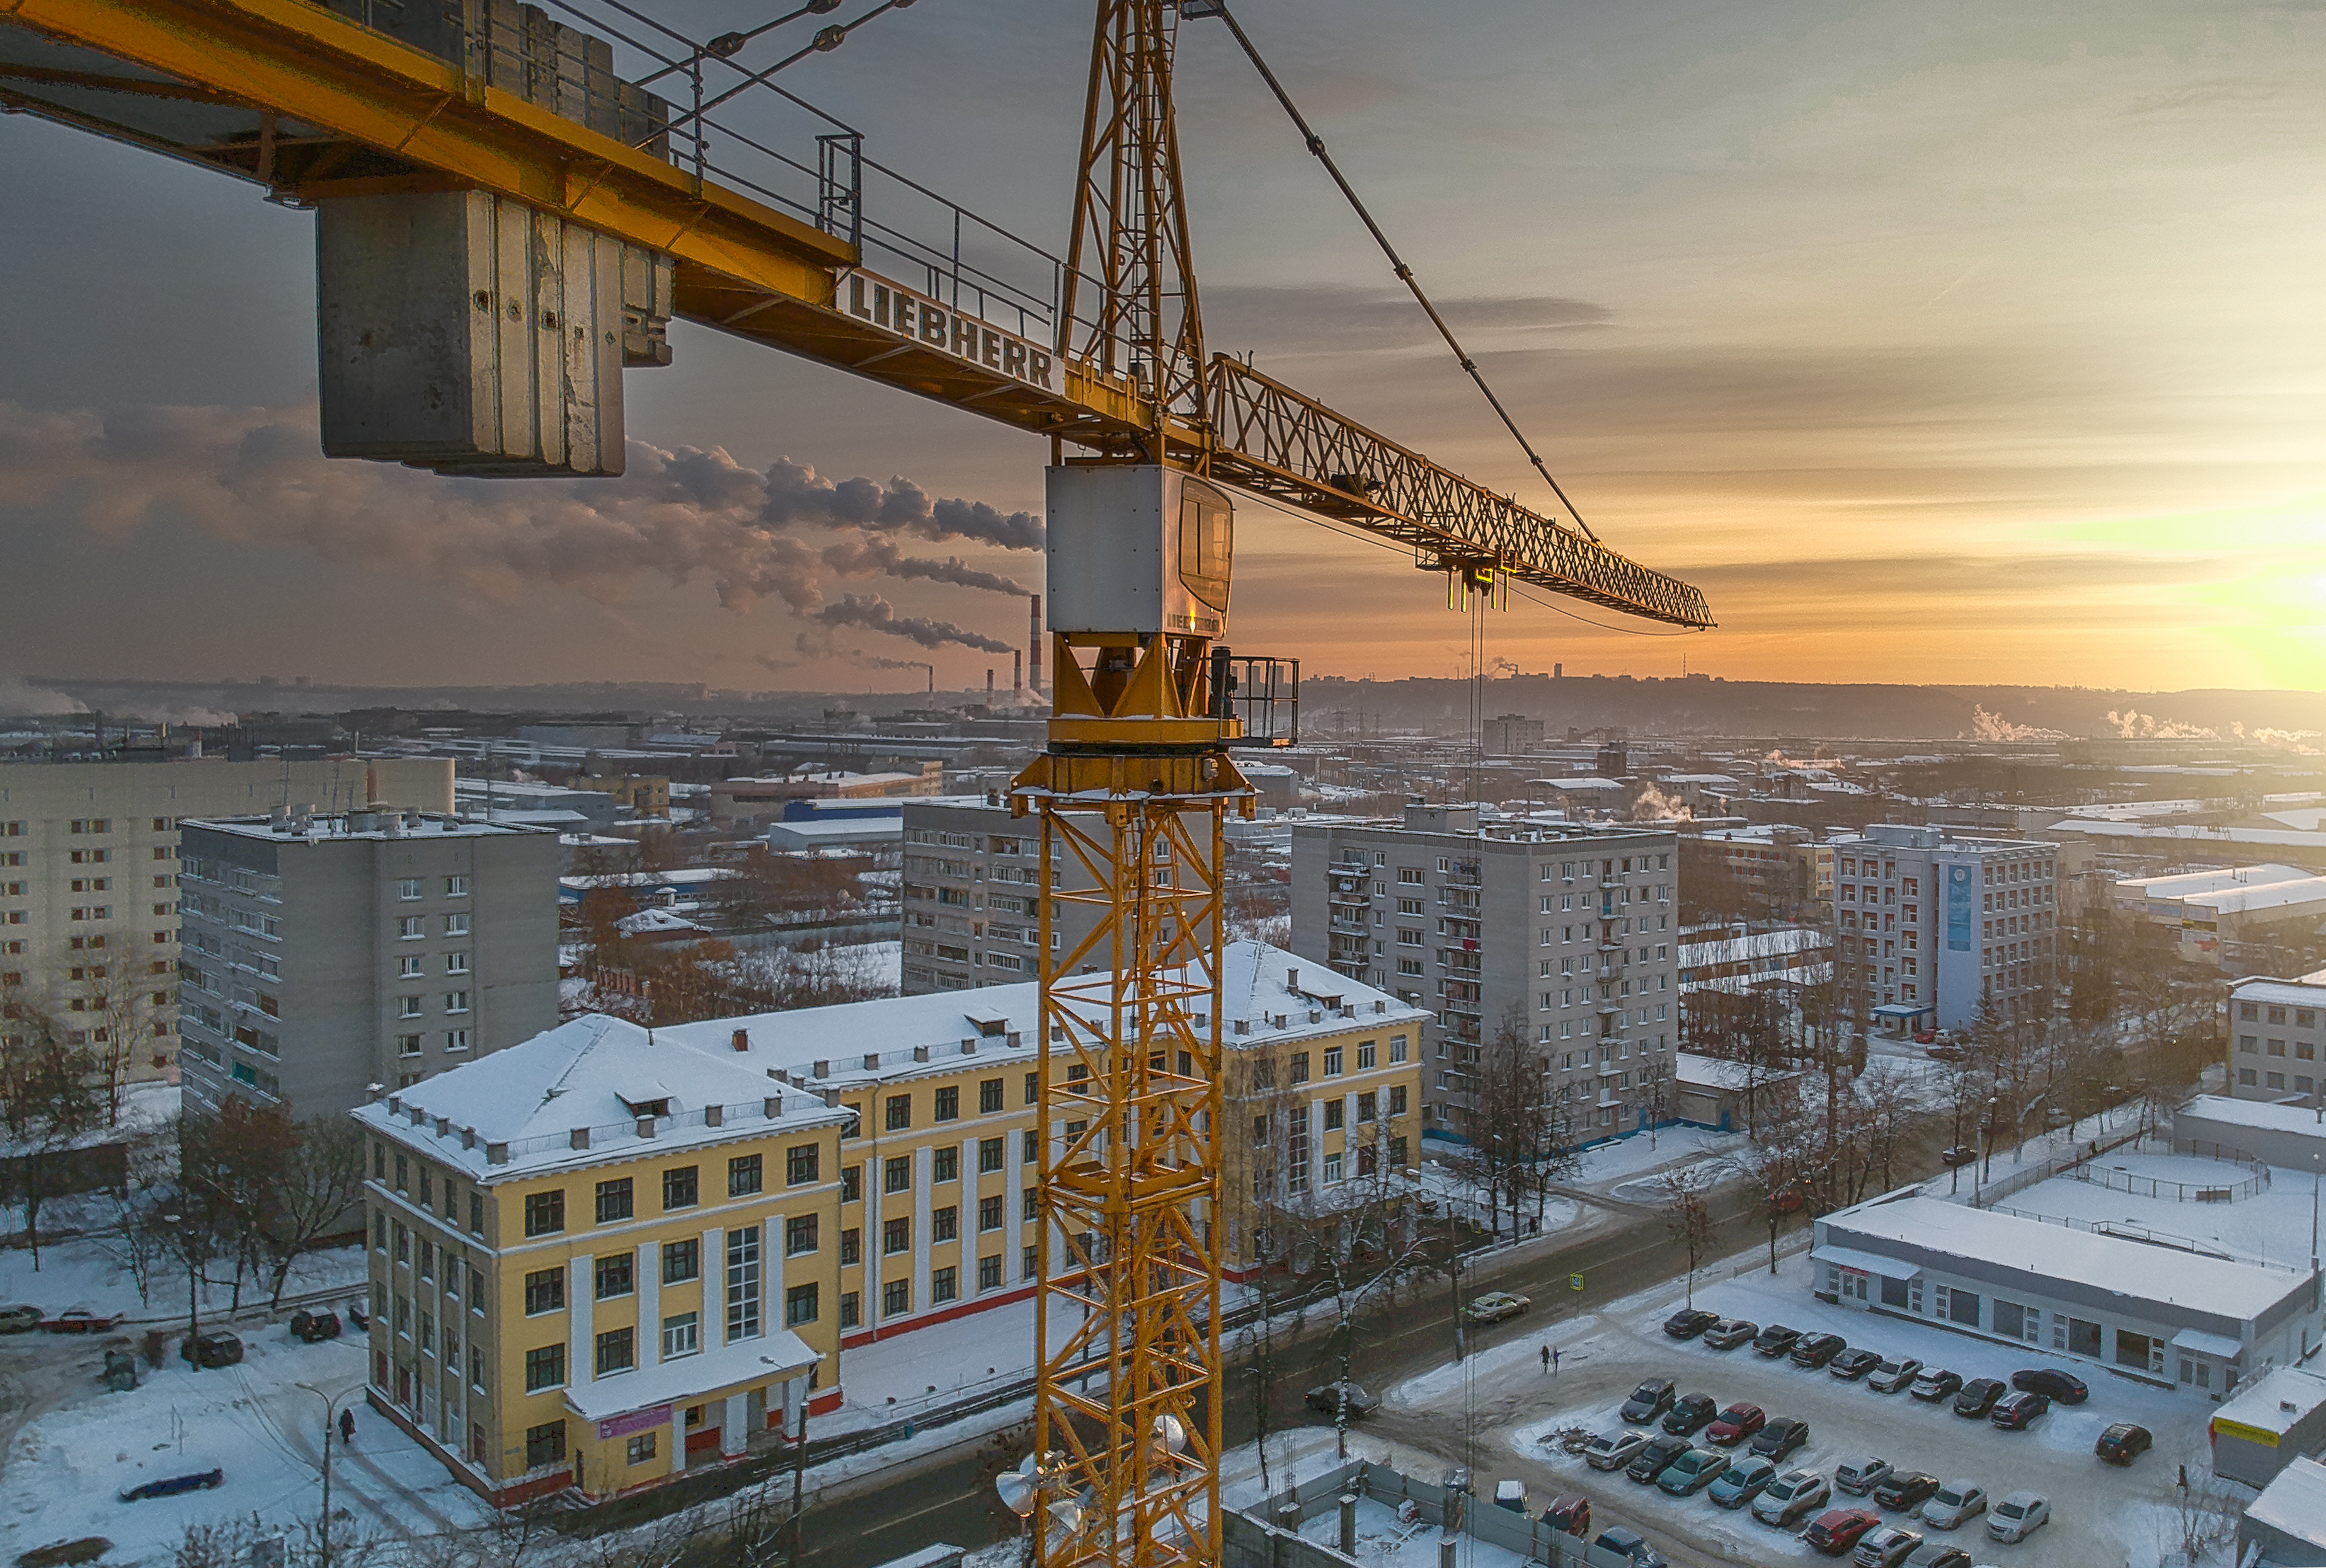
x=2309 y=992
x=383 y=825
x=2262 y=1402
x=2259 y=1114
x=1790 y=939
x=2295 y=1502
x=2134 y=1269
x=569 y=1094
x=2184 y=884
x=1692 y=1070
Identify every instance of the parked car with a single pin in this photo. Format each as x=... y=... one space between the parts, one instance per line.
x=1938 y=1554
x=1511 y=1495
x=1839 y=1530
x=1945 y=1050
x=1569 y=1515
x=1689 y=1323
x=16 y=1319
x=217 y=1348
x=1650 y=1460
x=1861 y=1475
x=1925 y=1037
x=1779 y=1437
x=2019 y=1516
x=1776 y=1339
x=1614 y=1451
x=200 y=1480
x=1693 y=1471
x=360 y=1315
x=1326 y=1399
x=1630 y=1544
x=1854 y=1363
x=1743 y=1481
x=2124 y=1442
x=1691 y=1414
x=2014 y=1412
x=1817 y=1349
x=1736 y=1424
x=315 y=1327
x=1648 y=1401
x=1885 y=1546
x=1906 y=1490
x=1962 y=1154
x=1954 y=1504
x=1791 y=1495
x=78 y=1320
x=1729 y=1333
x=1892 y=1374
x=1978 y=1396
x=2052 y=1383
x=1495 y=1306
x=1935 y=1384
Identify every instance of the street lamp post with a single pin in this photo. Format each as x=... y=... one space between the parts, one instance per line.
x=331 y=1402
x=177 y=1224
x=1987 y=1141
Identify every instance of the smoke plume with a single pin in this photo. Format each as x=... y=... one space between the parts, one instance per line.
x=20 y=699
x=685 y=516
x=874 y=614
x=1655 y=807
x=2133 y=725
x=1985 y=725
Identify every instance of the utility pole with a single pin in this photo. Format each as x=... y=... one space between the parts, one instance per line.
x=323 y=1536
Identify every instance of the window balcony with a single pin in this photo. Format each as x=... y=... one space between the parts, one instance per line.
x=1341 y=923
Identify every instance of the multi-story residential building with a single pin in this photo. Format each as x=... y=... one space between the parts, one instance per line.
x=1568 y=928
x=1933 y=927
x=972 y=899
x=1777 y=872
x=597 y=1262
x=89 y=880
x=543 y=1220
x=327 y=956
x=937 y=1184
x=2275 y=1038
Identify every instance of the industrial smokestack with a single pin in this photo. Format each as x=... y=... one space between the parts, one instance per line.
x=1034 y=649
x=1018 y=673
x=989 y=685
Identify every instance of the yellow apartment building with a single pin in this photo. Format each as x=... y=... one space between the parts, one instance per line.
x=573 y=1285
x=599 y=1259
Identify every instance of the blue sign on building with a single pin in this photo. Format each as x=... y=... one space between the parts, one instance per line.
x=1959 y=908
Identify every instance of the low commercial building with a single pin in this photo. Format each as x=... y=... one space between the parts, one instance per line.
x=2174 y=1318
x=2222 y=916
x=2285 y=1527
x=751 y=803
x=2274 y=1036
x=596 y=1260
x=2267 y=1423
x=2289 y=1137
x=1724 y=1096
x=1790 y=955
x=856 y=833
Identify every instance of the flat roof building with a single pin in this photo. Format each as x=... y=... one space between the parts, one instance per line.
x=2267 y=1423
x=1933 y=926
x=2285 y=1527
x=2276 y=1029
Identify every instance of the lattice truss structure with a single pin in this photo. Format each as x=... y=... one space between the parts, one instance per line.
x=1129 y=1399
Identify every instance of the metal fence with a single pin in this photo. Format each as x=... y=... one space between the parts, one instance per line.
x=2256 y=1178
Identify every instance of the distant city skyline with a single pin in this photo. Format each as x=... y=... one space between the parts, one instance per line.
x=1976 y=347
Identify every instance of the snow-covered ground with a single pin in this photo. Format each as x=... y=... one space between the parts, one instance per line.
x=1632 y=1156
x=92 y=1272
x=2271 y=1226
x=255 y=1421
x=2104 y=1517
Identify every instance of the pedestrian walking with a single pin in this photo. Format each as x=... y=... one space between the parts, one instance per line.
x=2184 y=1478
x=347 y=1427
x=1546 y=1358
x=1554 y=1363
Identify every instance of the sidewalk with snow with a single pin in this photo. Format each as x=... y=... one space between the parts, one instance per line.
x=93 y=1272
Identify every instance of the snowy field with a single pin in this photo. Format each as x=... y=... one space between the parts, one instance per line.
x=2271 y=1226
x=2104 y=1517
x=65 y=1469
x=1632 y=1156
x=93 y=1273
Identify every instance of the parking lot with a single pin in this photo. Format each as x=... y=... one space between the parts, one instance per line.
x=2102 y=1516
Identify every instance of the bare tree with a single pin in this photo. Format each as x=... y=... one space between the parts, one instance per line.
x=1655 y=1090
x=321 y=1182
x=1687 y=1218
x=48 y=1109
x=1509 y=1126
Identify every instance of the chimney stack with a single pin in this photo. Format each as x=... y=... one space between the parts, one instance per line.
x=1017 y=671
x=989 y=685
x=1034 y=649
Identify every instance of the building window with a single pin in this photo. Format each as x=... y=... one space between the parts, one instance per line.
x=456 y=1040
x=852 y=1184
x=946 y=1162
x=681 y=1187
x=988 y=1096
x=989 y=1273
x=896 y=1174
x=948 y=1104
x=944 y=1286
x=544 y=1292
x=1300 y=1067
x=545 y=1443
x=896 y=1298
x=851 y=1311
x=408 y=1006
x=989 y=1152
x=642 y=1448
x=799 y=1235
x=945 y=1224
x=895 y=1236
x=681 y=1335
x=743 y=1284
x=899 y=1112
x=616 y=1351
x=743 y=1175
x=456 y=1001
x=614 y=1274
x=544 y=1212
x=681 y=1260
x=614 y=1201
x=1033 y=1203
x=1367 y=1051
x=1029 y=1261
x=545 y=1368
x=456 y=924
x=1396 y=1048
x=407 y=1045
x=2247 y=1078
x=989 y=1212
x=409 y=889
x=802 y=1164
x=411 y=928
x=852 y=1247
x=799 y=1305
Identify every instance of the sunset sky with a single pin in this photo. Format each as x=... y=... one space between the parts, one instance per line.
x=1956 y=342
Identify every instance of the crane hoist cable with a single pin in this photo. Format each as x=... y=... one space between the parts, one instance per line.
x=825 y=41
x=728 y=45
x=1396 y=263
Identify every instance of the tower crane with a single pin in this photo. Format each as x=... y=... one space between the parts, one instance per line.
x=578 y=212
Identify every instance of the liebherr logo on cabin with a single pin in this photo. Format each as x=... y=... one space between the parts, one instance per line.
x=873 y=298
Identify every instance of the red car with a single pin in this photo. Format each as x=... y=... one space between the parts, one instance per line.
x=1836 y=1532
x=78 y=1321
x=1736 y=1423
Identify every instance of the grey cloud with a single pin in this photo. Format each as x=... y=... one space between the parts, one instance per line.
x=1328 y=319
